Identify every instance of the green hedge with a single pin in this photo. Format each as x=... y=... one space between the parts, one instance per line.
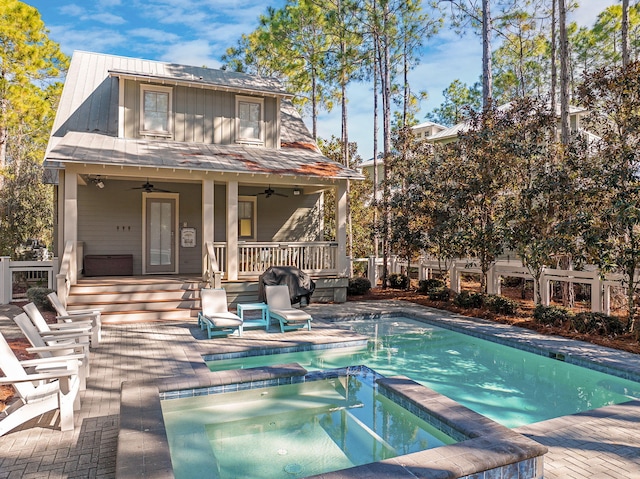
x=38 y=296
x=399 y=281
x=358 y=286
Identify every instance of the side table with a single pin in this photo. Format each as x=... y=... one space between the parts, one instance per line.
x=265 y=320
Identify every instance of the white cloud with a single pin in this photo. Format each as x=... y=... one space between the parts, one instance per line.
x=155 y=35
x=106 y=18
x=194 y=52
x=94 y=40
x=105 y=4
x=587 y=12
x=72 y=10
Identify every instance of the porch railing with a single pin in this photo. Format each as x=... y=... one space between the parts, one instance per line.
x=318 y=258
x=16 y=277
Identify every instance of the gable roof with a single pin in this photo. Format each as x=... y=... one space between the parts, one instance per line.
x=86 y=125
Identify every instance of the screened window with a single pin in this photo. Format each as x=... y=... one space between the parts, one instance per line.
x=156 y=110
x=250 y=119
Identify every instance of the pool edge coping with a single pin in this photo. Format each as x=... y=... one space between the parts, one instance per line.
x=605 y=359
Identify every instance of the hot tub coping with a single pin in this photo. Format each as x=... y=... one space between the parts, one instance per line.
x=143 y=448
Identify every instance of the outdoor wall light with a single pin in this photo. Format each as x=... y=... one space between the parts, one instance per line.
x=98 y=182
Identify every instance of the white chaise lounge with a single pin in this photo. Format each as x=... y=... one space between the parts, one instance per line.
x=279 y=305
x=215 y=315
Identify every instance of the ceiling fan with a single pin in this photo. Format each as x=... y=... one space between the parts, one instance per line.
x=271 y=192
x=149 y=188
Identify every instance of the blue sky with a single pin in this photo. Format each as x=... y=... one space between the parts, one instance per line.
x=197 y=32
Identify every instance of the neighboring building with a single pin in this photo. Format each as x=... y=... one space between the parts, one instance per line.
x=423 y=131
x=448 y=135
x=161 y=162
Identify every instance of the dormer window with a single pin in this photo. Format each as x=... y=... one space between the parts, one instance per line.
x=250 y=120
x=155 y=110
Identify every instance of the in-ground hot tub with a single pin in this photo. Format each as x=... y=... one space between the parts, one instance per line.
x=483 y=447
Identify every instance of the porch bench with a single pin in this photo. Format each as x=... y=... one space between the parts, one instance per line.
x=108 y=265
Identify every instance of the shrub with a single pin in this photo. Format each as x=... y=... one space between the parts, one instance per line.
x=38 y=296
x=358 y=286
x=597 y=323
x=469 y=299
x=398 y=281
x=428 y=285
x=500 y=304
x=551 y=315
x=439 y=294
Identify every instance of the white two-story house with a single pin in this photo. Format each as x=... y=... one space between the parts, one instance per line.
x=159 y=166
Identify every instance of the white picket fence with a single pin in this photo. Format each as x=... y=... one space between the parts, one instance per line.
x=427 y=268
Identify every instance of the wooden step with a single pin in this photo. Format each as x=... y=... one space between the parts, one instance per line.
x=138 y=299
x=148 y=316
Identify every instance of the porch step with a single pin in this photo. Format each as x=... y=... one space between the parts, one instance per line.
x=134 y=299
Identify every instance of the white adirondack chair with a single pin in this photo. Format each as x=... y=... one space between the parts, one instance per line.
x=56 y=389
x=66 y=332
x=78 y=315
x=63 y=349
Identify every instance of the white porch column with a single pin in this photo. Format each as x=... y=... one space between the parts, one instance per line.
x=341 y=228
x=71 y=216
x=232 y=230
x=207 y=214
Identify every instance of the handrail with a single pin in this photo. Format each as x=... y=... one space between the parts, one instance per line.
x=68 y=274
x=211 y=274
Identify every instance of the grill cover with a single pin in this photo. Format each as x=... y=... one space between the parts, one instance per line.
x=300 y=283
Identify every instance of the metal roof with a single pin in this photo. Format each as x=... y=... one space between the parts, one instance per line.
x=98 y=149
x=86 y=125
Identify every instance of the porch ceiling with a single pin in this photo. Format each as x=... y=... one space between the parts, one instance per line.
x=99 y=149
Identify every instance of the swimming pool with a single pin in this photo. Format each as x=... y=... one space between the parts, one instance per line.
x=330 y=421
x=511 y=386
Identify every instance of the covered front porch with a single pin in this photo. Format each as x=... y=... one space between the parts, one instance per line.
x=214 y=226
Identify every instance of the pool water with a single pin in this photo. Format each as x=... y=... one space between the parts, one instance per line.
x=509 y=385
x=291 y=431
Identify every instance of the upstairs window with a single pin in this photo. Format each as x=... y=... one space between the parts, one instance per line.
x=155 y=116
x=250 y=119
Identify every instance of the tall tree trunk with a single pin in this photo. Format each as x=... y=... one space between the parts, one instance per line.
x=314 y=106
x=376 y=72
x=564 y=73
x=487 y=76
x=554 y=67
x=386 y=128
x=625 y=33
x=407 y=92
